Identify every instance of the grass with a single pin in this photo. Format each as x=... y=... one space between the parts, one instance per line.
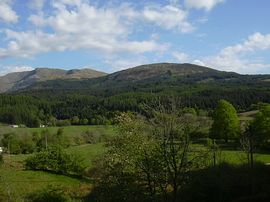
x=16 y=183
x=19 y=182
x=71 y=132
x=68 y=130
x=88 y=152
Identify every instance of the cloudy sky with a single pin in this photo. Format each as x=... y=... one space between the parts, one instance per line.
x=110 y=35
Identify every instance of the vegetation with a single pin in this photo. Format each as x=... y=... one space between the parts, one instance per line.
x=226 y=123
x=56 y=160
x=159 y=148
x=98 y=101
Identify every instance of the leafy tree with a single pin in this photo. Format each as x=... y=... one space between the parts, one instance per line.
x=226 y=123
x=12 y=143
x=257 y=134
x=149 y=158
x=84 y=121
x=260 y=126
x=75 y=120
x=57 y=160
x=27 y=144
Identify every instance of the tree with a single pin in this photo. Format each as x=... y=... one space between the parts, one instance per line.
x=55 y=159
x=257 y=133
x=149 y=157
x=75 y=120
x=226 y=123
x=12 y=143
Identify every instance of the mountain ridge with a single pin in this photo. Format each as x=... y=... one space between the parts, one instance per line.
x=18 y=80
x=141 y=76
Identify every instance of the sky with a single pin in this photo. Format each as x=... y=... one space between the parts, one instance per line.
x=112 y=35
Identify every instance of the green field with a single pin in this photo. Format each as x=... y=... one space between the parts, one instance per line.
x=68 y=130
x=16 y=183
x=19 y=182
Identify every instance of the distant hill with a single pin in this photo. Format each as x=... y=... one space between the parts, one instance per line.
x=87 y=92
x=150 y=71
x=20 y=80
x=144 y=76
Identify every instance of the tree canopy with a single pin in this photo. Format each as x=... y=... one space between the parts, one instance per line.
x=226 y=123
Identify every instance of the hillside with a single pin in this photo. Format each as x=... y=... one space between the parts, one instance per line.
x=140 y=77
x=20 y=80
x=151 y=71
x=125 y=90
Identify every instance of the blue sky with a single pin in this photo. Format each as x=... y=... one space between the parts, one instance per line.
x=111 y=35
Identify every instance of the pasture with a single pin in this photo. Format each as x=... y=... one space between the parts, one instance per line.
x=16 y=183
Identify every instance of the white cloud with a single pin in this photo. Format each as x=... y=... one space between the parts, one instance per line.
x=71 y=25
x=80 y=27
x=199 y=62
x=7 y=14
x=168 y=17
x=203 y=4
x=9 y=69
x=234 y=58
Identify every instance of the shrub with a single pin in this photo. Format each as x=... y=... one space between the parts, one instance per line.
x=12 y=143
x=55 y=159
x=49 y=194
x=63 y=123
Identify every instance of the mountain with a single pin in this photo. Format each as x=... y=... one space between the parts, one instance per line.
x=151 y=71
x=78 y=92
x=143 y=76
x=188 y=81
x=20 y=80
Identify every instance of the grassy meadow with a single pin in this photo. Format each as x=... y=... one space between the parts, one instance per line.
x=17 y=183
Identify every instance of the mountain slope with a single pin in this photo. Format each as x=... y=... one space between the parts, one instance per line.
x=125 y=90
x=149 y=71
x=20 y=80
x=137 y=76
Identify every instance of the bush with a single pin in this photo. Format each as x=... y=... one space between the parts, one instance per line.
x=48 y=194
x=11 y=142
x=63 y=123
x=55 y=159
x=89 y=137
x=228 y=183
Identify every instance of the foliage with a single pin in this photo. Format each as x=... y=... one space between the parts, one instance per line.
x=12 y=143
x=257 y=134
x=55 y=159
x=147 y=159
x=100 y=100
x=228 y=183
x=226 y=124
x=52 y=194
x=260 y=128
